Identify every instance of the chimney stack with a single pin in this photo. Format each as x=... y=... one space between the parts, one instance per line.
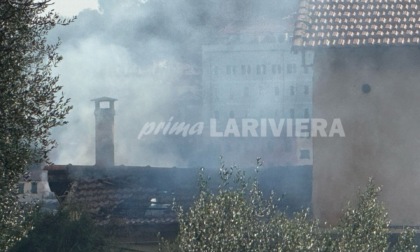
x=104 y=131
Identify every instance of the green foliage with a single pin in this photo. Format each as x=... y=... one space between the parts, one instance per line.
x=365 y=227
x=239 y=218
x=30 y=103
x=405 y=241
x=62 y=232
x=14 y=216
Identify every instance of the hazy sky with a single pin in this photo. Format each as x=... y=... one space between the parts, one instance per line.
x=136 y=51
x=73 y=7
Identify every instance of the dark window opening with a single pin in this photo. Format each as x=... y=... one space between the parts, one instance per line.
x=34 y=187
x=306 y=113
x=21 y=188
x=292 y=90
x=305 y=154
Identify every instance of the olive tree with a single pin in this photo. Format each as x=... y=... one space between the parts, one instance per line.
x=237 y=217
x=30 y=101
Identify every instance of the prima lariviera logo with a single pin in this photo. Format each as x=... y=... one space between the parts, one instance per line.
x=248 y=127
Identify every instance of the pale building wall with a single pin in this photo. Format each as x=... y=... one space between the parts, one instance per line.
x=257 y=80
x=382 y=129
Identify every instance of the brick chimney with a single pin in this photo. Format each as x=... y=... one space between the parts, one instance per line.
x=104 y=131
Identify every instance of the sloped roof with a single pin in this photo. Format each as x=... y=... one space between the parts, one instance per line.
x=344 y=23
x=127 y=195
x=120 y=202
x=130 y=195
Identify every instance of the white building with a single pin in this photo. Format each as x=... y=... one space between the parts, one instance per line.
x=253 y=73
x=34 y=188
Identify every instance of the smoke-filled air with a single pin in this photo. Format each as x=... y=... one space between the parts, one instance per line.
x=148 y=55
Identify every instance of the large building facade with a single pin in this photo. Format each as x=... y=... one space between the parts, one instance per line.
x=253 y=74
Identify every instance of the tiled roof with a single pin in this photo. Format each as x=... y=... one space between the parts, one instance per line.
x=344 y=23
x=129 y=195
x=144 y=195
x=120 y=201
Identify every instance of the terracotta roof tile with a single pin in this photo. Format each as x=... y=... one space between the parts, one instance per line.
x=124 y=202
x=343 y=23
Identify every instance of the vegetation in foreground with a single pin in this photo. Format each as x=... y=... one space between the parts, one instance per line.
x=30 y=103
x=238 y=218
x=62 y=231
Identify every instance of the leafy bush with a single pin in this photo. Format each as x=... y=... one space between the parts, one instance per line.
x=15 y=216
x=31 y=103
x=239 y=218
x=365 y=227
x=62 y=232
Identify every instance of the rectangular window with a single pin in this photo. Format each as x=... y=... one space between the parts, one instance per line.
x=34 y=187
x=292 y=113
x=305 y=154
x=292 y=90
x=306 y=113
x=306 y=91
x=21 y=188
x=243 y=69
